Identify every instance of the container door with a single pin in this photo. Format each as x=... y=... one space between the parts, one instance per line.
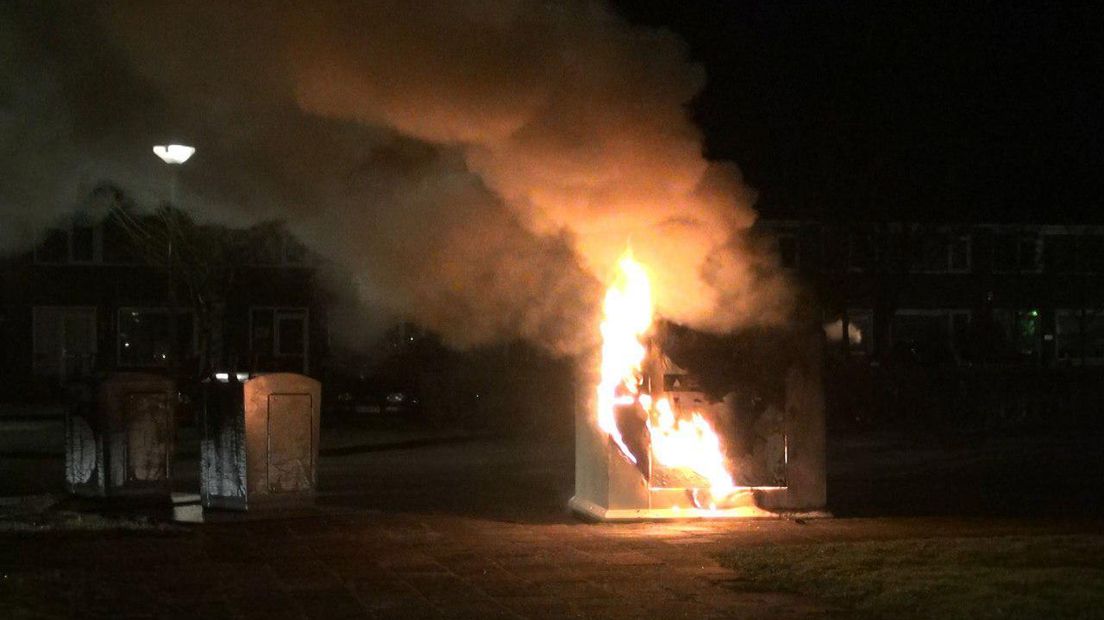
x=290 y=437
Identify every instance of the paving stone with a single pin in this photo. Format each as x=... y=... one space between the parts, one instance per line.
x=398 y=566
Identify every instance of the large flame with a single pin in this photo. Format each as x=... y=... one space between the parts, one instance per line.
x=689 y=444
x=628 y=317
x=678 y=443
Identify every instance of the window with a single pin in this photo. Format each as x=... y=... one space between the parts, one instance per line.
x=1014 y=252
x=76 y=244
x=788 y=251
x=860 y=331
x=1022 y=331
x=941 y=253
x=118 y=245
x=930 y=336
x=862 y=253
x=960 y=253
x=1060 y=254
x=295 y=253
x=1067 y=327
x=272 y=246
x=1091 y=254
x=279 y=339
x=81 y=244
x=145 y=336
x=1079 y=336
x=836 y=250
x=1092 y=335
x=54 y=248
x=64 y=340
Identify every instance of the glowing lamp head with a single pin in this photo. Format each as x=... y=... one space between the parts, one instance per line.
x=173 y=153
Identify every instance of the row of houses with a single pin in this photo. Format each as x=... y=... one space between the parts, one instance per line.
x=89 y=297
x=974 y=294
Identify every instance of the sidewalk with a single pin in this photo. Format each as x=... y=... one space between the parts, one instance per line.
x=473 y=529
x=427 y=566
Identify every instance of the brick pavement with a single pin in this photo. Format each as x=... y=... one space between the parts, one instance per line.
x=383 y=566
x=471 y=531
x=374 y=565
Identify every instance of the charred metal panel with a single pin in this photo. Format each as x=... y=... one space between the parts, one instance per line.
x=222 y=447
x=120 y=436
x=149 y=439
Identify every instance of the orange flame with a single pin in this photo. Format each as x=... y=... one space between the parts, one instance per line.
x=628 y=317
x=688 y=444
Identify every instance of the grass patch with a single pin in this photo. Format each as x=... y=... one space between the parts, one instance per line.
x=1000 y=577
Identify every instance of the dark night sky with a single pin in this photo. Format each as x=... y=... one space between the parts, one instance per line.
x=884 y=110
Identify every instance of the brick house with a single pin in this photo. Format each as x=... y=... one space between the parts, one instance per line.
x=85 y=300
x=999 y=320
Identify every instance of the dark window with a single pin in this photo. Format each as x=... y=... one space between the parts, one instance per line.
x=960 y=253
x=1029 y=253
x=1093 y=335
x=145 y=336
x=923 y=338
x=1068 y=337
x=862 y=253
x=82 y=244
x=118 y=246
x=290 y=336
x=940 y=253
x=1021 y=330
x=835 y=249
x=53 y=249
x=933 y=254
x=1060 y=253
x=1005 y=252
x=1015 y=252
x=787 y=251
x=278 y=340
x=1092 y=254
x=262 y=338
x=930 y=336
x=294 y=252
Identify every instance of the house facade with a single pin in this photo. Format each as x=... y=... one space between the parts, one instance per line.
x=89 y=299
x=976 y=324
x=975 y=293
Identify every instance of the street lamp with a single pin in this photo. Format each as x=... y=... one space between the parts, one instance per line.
x=174 y=153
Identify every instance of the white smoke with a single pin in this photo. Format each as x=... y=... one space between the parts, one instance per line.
x=475 y=167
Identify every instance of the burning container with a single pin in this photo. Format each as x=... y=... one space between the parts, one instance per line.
x=119 y=437
x=675 y=424
x=260 y=441
x=768 y=447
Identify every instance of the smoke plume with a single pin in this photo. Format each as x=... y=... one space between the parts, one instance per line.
x=476 y=167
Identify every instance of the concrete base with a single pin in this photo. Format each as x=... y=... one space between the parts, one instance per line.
x=593 y=512
x=286 y=501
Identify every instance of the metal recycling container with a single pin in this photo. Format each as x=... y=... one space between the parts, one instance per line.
x=119 y=436
x=260 y=441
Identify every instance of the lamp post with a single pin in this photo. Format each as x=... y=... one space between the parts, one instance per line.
x=174 y=155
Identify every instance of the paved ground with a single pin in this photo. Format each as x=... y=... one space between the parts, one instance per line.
x=469 y=529
x=425 y=566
